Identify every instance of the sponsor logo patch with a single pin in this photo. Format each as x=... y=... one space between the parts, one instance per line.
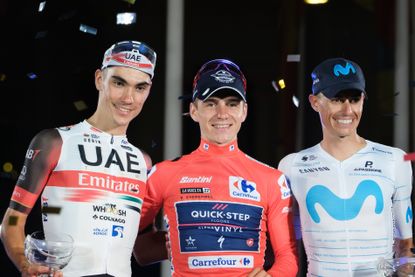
x=221 y=262
x=194 y=190
x=243 y=189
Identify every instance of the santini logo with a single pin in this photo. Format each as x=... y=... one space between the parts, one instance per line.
x=198 y=179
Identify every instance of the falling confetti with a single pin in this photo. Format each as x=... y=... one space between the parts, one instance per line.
x=294 y=58
x=51 y=210
x=80 y=105
x=7 y=167
x=88 y=29
x=42 y=6
x=281 y=83
x=295 y=101
x=31 y=75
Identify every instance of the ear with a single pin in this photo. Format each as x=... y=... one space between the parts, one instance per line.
x=245 y=111
x=193 y=111
x=313 y=99
x=99 y=79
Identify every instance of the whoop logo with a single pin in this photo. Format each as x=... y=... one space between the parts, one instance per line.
x=334 y=205
x=343 y=70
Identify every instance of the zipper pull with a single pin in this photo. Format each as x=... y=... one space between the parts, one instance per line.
x=112 y=139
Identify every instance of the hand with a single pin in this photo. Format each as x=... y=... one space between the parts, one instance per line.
x=33 y=270
x=258 y=272
x=168 y=246
x=405 y=270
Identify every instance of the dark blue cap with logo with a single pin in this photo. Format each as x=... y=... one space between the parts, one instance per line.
x=218 y=75
x=335 y=75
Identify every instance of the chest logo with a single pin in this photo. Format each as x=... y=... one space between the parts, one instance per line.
x=244 y=189
x=409 y=215
x=343 y=70
x=130 y=163
x=339 y=208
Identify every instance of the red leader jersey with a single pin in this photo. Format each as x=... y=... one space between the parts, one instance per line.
x=219 y=204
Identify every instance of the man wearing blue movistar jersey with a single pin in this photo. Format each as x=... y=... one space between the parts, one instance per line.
x=353 y=195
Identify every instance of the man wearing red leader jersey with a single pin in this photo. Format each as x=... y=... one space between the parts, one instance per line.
x=219 y=203
x=90 y=173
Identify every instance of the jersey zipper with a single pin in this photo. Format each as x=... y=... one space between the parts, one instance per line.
x=344 y=190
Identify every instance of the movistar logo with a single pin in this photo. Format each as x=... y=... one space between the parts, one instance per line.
x=335 y=206
x=343 y=70
x=409 y=215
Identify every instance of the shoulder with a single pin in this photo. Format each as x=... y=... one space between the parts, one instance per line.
x=169 y=167
x=287 y=160
x=386 y=151
x=47 y=136
x=146 y=156
x=301 y=156
x=257 y=162
x=262 y=169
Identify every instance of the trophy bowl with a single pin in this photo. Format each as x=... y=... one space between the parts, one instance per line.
x=399 y=267
x=53 y=251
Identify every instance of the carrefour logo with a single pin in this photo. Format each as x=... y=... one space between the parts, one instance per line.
x=244 y=189
x=334 y=205
x=221 y=262
x=343 y=70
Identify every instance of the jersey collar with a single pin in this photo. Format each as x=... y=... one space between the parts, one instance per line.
x=119 y=138
x=211 y=148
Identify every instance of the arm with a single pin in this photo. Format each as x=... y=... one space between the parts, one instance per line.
x=155 y=245
x=36 y=169
x=150 y=244
x=402 y=208
x=147 y=159
x=403 y=248
x=258 y=272
x=12 y=235
x=281 y=230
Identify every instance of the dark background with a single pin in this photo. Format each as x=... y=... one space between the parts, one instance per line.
x=257 y=35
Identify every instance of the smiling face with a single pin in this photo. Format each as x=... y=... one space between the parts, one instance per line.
x=122 y=94
x=219 y=118
x=339 y=116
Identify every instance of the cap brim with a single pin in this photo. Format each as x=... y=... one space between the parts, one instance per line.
x=206 y=95
x=332 y=91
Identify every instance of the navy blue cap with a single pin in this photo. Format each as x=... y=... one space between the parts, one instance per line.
x=218 y=75
x=335 y=75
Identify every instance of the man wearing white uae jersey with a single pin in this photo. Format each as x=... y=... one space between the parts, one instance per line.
x=90 y=173
x=354 y=195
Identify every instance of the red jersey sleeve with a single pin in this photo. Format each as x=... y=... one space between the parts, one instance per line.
x=280 y=228
x=41 y=158
x=153 y=200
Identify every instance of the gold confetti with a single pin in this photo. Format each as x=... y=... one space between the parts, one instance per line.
x=80 y=105
x=7 y=167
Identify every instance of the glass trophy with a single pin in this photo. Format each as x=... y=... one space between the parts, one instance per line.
x=399 y=267
x=53 y=251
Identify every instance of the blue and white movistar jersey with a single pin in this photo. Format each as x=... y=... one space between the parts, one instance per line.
x=350 y=211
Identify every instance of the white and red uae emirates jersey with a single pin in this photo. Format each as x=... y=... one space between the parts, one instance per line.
x=93 y=186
